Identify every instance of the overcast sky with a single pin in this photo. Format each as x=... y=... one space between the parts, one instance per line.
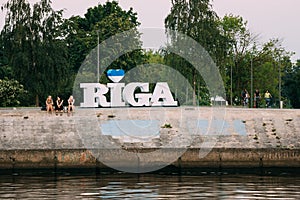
x=268 y=18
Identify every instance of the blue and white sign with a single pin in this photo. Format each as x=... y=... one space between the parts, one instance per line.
x=115 y=75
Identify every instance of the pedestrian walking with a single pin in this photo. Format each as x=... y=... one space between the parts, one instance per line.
x=257 y=98
x=268 y=97
x=245 y=97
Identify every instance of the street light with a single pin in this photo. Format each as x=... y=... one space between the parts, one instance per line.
x=277 y=59
x=98 y=61
x=279 y=86
x=231 y=84
x=251 y=77
x=251 y=98
x=231 y=80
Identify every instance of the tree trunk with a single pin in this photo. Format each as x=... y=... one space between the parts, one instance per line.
x=37 y=102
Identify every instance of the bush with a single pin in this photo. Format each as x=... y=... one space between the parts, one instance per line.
x=11 y=91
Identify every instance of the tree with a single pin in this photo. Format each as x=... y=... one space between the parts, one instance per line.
x=196 y=19
x=232 y=46
x=5 y=70
x=238 y=60
x=154 y=57
x=267 y=61
x=291 y=84
x=271 y=63
x=34 y=45
x=101 y=21
x=100 y=24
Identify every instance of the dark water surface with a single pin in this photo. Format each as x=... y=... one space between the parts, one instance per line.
x=147 y=186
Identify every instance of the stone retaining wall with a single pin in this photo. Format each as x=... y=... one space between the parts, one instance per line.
x=30 y=138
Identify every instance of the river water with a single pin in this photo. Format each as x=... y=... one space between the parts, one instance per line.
x=147 y=186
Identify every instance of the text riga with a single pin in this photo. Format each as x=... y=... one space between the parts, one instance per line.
x=121 y=95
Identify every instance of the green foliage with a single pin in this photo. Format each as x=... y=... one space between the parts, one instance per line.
x=5 y=70
x=291 y=87
x=270 y=65
x=238 y=60
x=232 y=46
x=196 y=19
x=238 y=36
x=100 y=24
x=154 y=57
x=33 y=43
x=11 y=92
x=102 y=21
x=43 y=51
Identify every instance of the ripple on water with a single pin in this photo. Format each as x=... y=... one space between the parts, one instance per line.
x=149 y=186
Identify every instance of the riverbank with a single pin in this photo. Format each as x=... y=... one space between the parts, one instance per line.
x=248 y=138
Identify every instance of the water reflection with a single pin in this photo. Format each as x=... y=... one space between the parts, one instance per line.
x=149 y=186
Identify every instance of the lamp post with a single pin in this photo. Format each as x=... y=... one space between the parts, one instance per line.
x=251 y=90
x=231 y=85
x=279 y=85
x=98 y=59
x=277 y=62
x=231 y=80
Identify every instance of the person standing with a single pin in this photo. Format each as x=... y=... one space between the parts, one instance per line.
x=268 y=97
x=245 y=97
x=257 y=98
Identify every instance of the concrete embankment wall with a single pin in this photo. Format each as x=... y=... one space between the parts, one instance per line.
x=30 y=138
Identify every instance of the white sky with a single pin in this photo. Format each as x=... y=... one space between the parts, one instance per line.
x=268 y=18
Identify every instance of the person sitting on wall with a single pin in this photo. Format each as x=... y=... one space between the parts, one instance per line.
x=71 y=102
x=49 y=104
x=59 y=106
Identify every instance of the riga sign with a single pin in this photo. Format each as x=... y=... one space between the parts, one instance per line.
x=123 y=95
